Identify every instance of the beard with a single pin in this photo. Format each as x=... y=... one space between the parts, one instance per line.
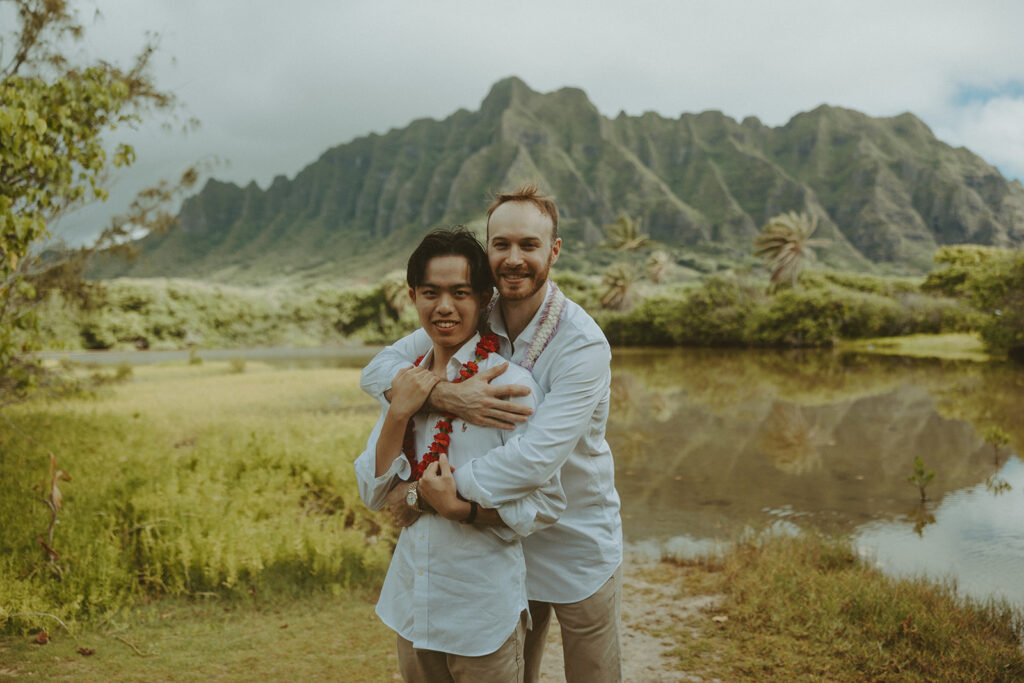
x=531 y=284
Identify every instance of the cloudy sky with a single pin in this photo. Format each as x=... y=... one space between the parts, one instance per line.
x=276 y=83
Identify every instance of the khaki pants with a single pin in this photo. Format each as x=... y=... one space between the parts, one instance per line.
x=504 y=665
x=590 y=635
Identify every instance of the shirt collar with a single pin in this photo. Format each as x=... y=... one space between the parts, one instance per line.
x=466 y=353
x=497 y=320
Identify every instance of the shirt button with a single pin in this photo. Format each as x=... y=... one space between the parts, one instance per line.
x=419 y=573
x=422 y=536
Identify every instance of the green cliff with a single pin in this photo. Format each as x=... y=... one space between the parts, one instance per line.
x=886 y=191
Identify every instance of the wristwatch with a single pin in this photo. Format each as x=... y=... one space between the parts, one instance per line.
x=412 y=496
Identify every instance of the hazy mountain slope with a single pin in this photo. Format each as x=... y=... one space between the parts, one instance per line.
x=886 y=190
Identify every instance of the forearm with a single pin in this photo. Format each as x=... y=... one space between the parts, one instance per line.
x=389 y=443
x=488 y=517
x=444 y=398
x=430 y=405
x=461 y=511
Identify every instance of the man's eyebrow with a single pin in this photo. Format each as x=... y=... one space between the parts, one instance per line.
x=457 y=285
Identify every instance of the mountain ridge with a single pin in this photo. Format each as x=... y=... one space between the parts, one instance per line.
x=887 y=193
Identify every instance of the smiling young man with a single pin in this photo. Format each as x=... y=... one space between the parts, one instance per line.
x=574 y=565
x=455 y=592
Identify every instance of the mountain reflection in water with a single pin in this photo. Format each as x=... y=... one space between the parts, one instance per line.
x=708 y=443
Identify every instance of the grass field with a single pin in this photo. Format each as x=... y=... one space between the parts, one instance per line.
x=175 y=639
x=211 y=530
x=187 y=480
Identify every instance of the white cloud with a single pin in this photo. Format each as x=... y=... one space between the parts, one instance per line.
x=993 y=129
x=276 y=84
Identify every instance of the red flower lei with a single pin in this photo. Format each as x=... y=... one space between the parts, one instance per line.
x=487 y=345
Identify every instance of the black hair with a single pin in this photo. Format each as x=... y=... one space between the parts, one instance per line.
x=454 y=241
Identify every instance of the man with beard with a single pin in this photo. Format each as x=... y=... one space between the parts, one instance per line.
x=574 y=565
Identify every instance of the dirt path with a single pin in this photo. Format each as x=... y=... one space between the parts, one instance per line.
x=654 y=612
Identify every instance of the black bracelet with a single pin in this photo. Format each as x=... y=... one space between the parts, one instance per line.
x=472 y=512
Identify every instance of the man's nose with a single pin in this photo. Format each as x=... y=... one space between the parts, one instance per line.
x=515 y=255
x=445 y=303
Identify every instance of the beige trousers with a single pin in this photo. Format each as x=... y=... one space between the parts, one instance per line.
x=590 y=635
x=504 y=665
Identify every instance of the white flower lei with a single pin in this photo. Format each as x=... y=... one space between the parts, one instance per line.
x=546 y=327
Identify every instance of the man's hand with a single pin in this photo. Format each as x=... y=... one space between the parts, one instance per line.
x=478 y=402
x=409 y=391
x=437 y=487
x=401 y=514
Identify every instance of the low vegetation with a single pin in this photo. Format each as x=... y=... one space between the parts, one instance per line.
x=732 y=310
x=186 y=481
x=726 y=310
x=992 y=280
x=155 y=314
x=810 y=608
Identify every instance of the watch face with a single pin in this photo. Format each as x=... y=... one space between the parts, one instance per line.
x=410 y=498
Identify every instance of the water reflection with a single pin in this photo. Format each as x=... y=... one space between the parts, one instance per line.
x=976 y=538
x=708 y=443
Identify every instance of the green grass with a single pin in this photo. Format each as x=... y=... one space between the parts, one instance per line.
x=952 y=346
x=808 y=609
x=188 y=480
x=211 y=529
x=306 y=639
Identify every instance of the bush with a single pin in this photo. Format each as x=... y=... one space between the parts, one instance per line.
x=992 y=280
x=730 y=311
x=173 y=314
x=797 y=319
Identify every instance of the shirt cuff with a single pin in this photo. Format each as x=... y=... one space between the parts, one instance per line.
x=520 y=517
x=379 y=487
x=400 y=468
x=467 y=485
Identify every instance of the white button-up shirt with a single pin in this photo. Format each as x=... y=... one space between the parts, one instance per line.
x=571 y=559
x=454 y=587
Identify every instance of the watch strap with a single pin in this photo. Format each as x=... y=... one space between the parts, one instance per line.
x=473 y=507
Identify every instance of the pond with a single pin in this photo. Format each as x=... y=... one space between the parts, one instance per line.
x=709 y=443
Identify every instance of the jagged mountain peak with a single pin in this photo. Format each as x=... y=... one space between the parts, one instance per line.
x=885 y=189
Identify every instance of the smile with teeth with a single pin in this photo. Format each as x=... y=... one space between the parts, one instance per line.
x=514 y=276
x=445 y=324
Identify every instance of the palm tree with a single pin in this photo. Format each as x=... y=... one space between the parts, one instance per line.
x=656 y=266
x=785 y=243
x=624 y=234
x=618 y=282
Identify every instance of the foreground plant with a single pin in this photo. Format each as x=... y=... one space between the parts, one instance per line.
x=921 y=477
x=809 y=608
x=52 y=497
x=55 y=157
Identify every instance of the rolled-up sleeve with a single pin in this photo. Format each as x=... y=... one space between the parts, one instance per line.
x=372 y=489
x=529 y=460
x=541 y=508
x=377 y=376
x=544 y=505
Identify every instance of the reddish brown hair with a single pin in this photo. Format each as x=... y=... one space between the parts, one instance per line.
x=529 y=193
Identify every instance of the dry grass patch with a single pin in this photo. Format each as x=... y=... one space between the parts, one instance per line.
x=808 y=608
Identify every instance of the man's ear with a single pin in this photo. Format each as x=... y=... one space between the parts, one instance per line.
x=555 y=248
x=412 y=294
